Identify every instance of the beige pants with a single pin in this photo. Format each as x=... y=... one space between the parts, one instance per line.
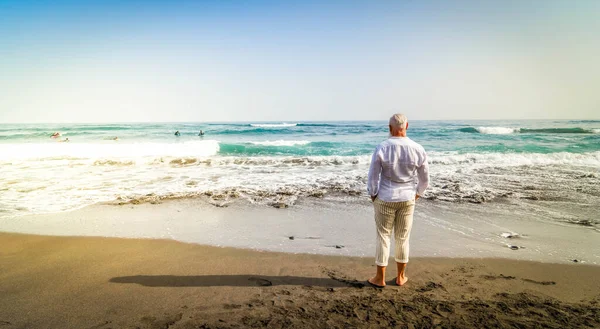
x=397 y=216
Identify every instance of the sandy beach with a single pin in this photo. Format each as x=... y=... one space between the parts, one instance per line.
x=239 y=164
x=92 y=282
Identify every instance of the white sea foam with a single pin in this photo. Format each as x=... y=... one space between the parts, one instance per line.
x=273 y=125
x=59 y=176
x=515 y=159
x=497 y=130
x=596 y=130
x=280 y=143
x=112 y=149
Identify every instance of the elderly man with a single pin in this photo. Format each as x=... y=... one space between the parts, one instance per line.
x=398 y=176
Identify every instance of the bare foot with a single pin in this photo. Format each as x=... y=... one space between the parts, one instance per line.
x=401 y=281
x=377 y=283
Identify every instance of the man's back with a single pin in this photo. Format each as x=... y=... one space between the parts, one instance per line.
x=400 y=162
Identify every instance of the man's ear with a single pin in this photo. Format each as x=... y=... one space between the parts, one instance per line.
x=406 y=125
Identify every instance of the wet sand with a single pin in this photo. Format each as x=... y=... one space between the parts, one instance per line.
x=440 y=229
x=89 y=282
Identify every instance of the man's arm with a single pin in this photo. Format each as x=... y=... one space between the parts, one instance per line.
x=423 y=174
x=374 y=172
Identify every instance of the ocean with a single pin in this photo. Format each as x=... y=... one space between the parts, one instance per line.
x=280 y=163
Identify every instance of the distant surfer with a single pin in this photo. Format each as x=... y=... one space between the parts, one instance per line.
x=55 y=135
x=201 y=133
x=116 y=138
x=177 y=133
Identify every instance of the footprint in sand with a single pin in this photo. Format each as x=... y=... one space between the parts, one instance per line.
x=444 y=309
x=430 y=286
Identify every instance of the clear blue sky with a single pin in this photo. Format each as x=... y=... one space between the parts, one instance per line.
x=106 y=61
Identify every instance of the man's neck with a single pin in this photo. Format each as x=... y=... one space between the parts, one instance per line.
x=400 y=134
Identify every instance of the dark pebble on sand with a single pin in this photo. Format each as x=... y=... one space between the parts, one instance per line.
x=279 y=205
x=514 y=247
x=575 y=261
x=291 y=238
x=337 y=246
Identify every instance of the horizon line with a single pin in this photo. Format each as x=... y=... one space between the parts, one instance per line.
x=282 y=121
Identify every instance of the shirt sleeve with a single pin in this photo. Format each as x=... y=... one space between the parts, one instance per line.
x=423 y=174
x=374 y=172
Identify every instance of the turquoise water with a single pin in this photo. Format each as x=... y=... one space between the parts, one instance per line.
x=332 y=138
x=266 y=162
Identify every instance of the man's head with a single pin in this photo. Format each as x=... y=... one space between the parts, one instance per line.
x=398 y=125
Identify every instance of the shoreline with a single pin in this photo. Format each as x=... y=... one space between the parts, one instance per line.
x=317 y=226
x=95 y=282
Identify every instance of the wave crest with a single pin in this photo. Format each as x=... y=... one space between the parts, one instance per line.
x=273 y=125
x=280 y=143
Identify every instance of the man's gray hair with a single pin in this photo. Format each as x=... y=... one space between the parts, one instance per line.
x=398 y=120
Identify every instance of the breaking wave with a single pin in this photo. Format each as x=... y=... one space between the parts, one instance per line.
x=489 y=130
x=107 y=150
x=506 y=130
x=515 y=159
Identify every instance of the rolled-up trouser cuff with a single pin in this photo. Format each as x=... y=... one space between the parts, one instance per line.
x=381 y=264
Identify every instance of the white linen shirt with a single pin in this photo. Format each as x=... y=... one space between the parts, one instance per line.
x=399 y=169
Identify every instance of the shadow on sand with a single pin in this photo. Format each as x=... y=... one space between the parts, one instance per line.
x=227 y=280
